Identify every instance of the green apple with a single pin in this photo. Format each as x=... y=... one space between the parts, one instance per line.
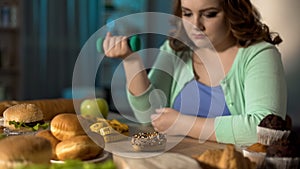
x=94 y=107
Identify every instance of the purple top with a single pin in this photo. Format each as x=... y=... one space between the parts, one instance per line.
x=200 y=100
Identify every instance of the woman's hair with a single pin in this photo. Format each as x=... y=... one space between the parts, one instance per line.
x=243 y=20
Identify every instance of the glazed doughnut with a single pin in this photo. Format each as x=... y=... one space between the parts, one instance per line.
x=153 y=141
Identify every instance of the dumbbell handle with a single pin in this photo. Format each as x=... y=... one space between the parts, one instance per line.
x=134 y=43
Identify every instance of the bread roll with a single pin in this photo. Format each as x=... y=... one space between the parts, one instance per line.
x=53 y=140
x=22 y=113
x=78 y=147
x=65 y=126
x=49 y=107
x=23 y=150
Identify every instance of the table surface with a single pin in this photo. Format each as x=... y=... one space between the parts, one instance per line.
x=188 y=148
x=183 y=145
x=193 y=147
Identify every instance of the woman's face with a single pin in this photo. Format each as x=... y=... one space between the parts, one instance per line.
x=205 y=21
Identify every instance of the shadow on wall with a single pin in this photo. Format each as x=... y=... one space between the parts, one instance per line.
x=282 y=17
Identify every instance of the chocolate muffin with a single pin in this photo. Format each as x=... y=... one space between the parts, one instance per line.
x=284 y=153
x=272 y=128
x=288 y=147
x=272 y=121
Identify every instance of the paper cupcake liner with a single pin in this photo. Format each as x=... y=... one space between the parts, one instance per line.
x=282 y=163
x=256 y=157
x=267 y=136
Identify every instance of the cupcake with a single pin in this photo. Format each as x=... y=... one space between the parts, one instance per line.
x=272 y=128
x=284 y=153
x=256 y=153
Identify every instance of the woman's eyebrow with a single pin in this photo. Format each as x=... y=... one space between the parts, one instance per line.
x=202 y=10
x=185 y=9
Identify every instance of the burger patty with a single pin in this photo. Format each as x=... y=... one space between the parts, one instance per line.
x=32 y=124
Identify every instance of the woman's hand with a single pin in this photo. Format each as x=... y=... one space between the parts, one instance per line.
x=172 y=122
x=116 y=46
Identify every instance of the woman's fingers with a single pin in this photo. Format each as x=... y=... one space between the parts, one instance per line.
x=115 y=46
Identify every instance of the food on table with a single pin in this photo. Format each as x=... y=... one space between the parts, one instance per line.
x=273 y=122
x=272 y=128
x=111 y=130
x=24 y=150
x=2 y=134
x=23 y=118
x=284 y=153
x=152 y=141
x=210 y=158
x=65 y=126
x=74 y=164
x=47 y=134
x=49 y=107
x=73 y=141
x=97 y=107
x=287 y=147
x=227 y=158
x=257 y=147
x=256 y=153
x=78 y=147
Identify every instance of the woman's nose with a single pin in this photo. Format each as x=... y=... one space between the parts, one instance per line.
x=198 y=23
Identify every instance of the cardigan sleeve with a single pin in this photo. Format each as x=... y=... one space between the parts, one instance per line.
x=258 y=85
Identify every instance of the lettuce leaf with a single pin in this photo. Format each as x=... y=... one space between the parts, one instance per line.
x=74 y=164
x=33 y=128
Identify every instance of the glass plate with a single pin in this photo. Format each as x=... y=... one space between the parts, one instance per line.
x=99 y=158
x=16 y=133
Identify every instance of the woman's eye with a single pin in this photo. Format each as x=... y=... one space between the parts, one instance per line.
x=186 y=14
x=210 y=14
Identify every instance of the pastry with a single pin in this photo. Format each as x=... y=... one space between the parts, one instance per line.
x=284 y=153
x=272 y=128
x=227 y=158
x=256 y=153
x=149 y=141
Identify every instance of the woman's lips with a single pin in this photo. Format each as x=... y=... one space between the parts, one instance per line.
x=199 y=36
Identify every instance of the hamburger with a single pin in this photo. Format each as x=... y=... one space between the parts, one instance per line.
x=23 y=118
x=24 y=150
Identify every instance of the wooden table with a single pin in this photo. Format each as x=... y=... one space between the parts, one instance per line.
x=193 y=147
x=178 y=154
x=186 y=147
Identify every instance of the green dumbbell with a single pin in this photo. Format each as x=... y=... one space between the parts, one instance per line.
x=134 y=43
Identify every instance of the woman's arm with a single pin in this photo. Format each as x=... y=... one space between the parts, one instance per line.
x=136 y=76
x=255 y=89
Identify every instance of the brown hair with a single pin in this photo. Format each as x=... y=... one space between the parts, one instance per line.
x=243 y=20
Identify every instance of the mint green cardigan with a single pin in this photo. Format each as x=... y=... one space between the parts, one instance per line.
x=254 y=87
